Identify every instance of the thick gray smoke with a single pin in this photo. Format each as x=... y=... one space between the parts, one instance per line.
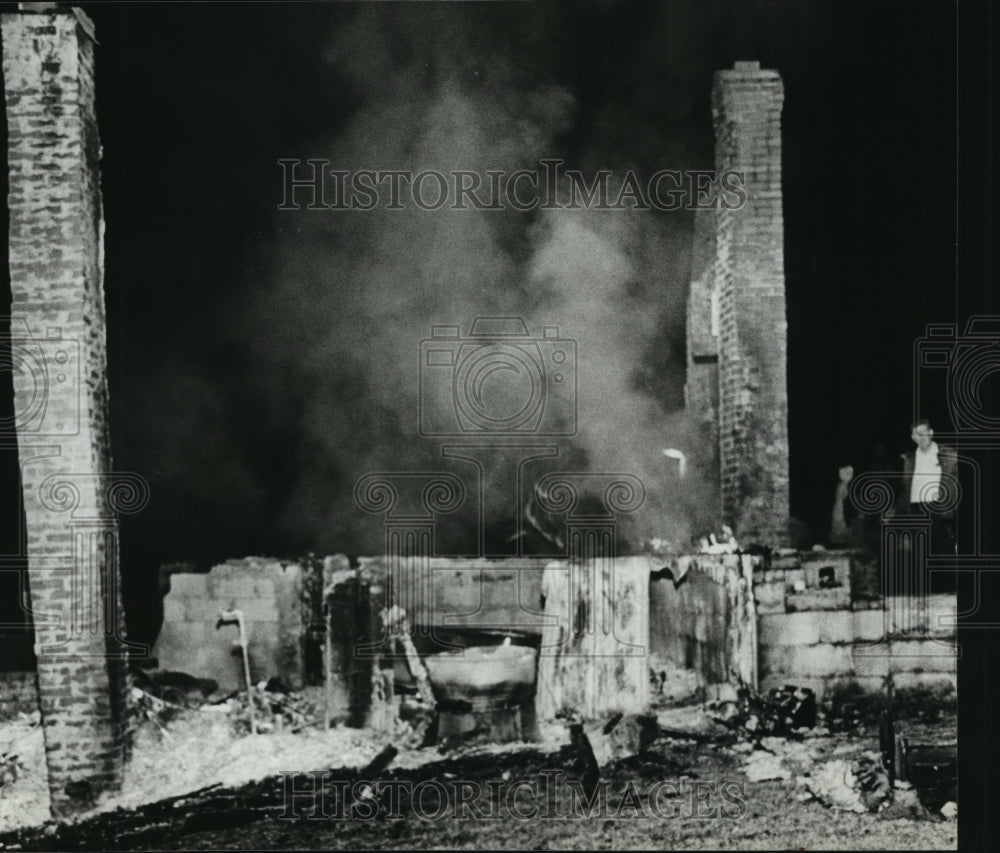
x=335 y=321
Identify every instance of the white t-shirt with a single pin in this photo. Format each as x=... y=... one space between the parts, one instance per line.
x=926 y=475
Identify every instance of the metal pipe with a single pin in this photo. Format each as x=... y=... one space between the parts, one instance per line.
x=228 y=617
x=327 y=666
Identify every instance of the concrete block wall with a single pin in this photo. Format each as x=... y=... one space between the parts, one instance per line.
x=750 y=277
x=268 y=591
x=60 y=398
x=279 y=601
x=805 y=633
x=823 y=638
x=796 y=629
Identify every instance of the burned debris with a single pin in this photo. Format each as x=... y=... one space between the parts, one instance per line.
x=411 y=667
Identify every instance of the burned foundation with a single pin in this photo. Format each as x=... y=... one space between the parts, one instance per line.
x=735 y=620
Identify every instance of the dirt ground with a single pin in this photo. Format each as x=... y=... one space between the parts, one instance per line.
x=706 y=787
x=774 y=818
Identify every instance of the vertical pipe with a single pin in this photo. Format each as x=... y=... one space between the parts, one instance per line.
x=327 y=670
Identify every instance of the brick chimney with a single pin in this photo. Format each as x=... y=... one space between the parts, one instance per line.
x=61 y=398
x=750 y=282
x=701 y=390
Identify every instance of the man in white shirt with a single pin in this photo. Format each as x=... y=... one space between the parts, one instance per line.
x=923 y=491
x=925 y=483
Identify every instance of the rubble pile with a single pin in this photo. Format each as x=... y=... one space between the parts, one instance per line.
x=838 y=777
x=850 y=715
x=785 y=711
x=176 y=688
x=873 y=782
x=24 y=790
x=670 y=684
x=858 y=786
x=835 y=785
x=276 y=709
x=212 y=745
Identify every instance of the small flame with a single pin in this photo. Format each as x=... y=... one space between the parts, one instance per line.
x=673 y=453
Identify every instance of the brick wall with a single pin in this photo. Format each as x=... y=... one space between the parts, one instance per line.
x=60 y=398
x=749 y=275
x=701 y=390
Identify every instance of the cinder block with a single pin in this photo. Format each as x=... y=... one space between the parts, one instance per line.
x=189 y=586
x=924 y=680
x=205 y=609
x=770 y=597
x=787 y=629
x=818 y=599
x=941 y=615
x=817 y=661
x=248 y=587
x=910 y=616
x=869 y=625
x=174 y=609
x=923 y=656
x=838 y=561
x=258 y=609
x=792 y=577
x=872 y=661
x=836 y=626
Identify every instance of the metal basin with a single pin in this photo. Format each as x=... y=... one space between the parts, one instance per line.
x=483 y=677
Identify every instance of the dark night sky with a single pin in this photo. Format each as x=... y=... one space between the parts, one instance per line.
x=244 y=342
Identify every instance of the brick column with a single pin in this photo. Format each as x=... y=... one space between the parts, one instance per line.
x=750 y=276
x=701 y=390
x=60 y=398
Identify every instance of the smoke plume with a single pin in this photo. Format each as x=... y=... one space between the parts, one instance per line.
x=336 y=318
